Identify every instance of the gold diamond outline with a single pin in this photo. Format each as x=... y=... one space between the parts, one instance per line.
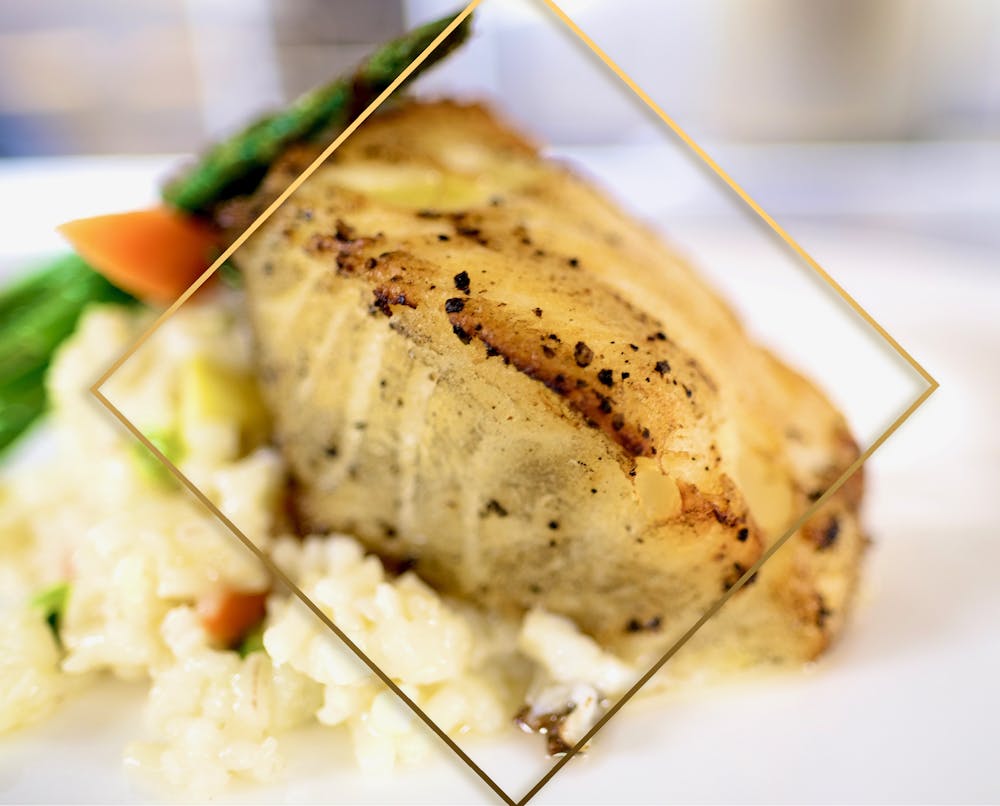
x=279 y=574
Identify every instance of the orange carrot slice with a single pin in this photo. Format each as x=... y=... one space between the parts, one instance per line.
x=153 y=254
x=229 y=615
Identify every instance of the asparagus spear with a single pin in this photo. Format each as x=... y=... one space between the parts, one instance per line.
x=237 y=165
x=36 y=315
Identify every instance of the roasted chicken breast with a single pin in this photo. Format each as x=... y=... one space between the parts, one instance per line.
x=483 y=368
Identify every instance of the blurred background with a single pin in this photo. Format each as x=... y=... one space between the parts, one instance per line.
x=102 y=76
x=871 y=102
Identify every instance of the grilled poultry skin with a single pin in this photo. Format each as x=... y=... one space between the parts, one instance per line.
x=486 y=370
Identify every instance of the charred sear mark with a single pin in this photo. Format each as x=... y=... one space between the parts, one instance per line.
x=823 y=612
x=494 y=507
x=708 y=380
x=466 y=226
x=725 y=517
x=582 y=354
x=388 y=295
x=344 y=232
x=735 y=575
x=551 y=371
x=397 y=566
x=824 y=534
x=474 y=233
x=396 y=278
x=548 y=725
x=638 y=625
x=338 y=244
x=702 y=506
x=321 y=243
x=830 y=535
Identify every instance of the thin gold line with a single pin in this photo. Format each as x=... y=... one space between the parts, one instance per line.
x=284 y=579
x=708 y=614
x=281 y=199
x=686 y=138
x=932 y=386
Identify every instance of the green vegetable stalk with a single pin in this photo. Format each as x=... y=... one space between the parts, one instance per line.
x=36 y=315
x=237 y=165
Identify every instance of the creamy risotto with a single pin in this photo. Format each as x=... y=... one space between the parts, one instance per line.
x=107 y=566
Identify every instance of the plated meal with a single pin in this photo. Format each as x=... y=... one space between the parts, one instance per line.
x=503 y=435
